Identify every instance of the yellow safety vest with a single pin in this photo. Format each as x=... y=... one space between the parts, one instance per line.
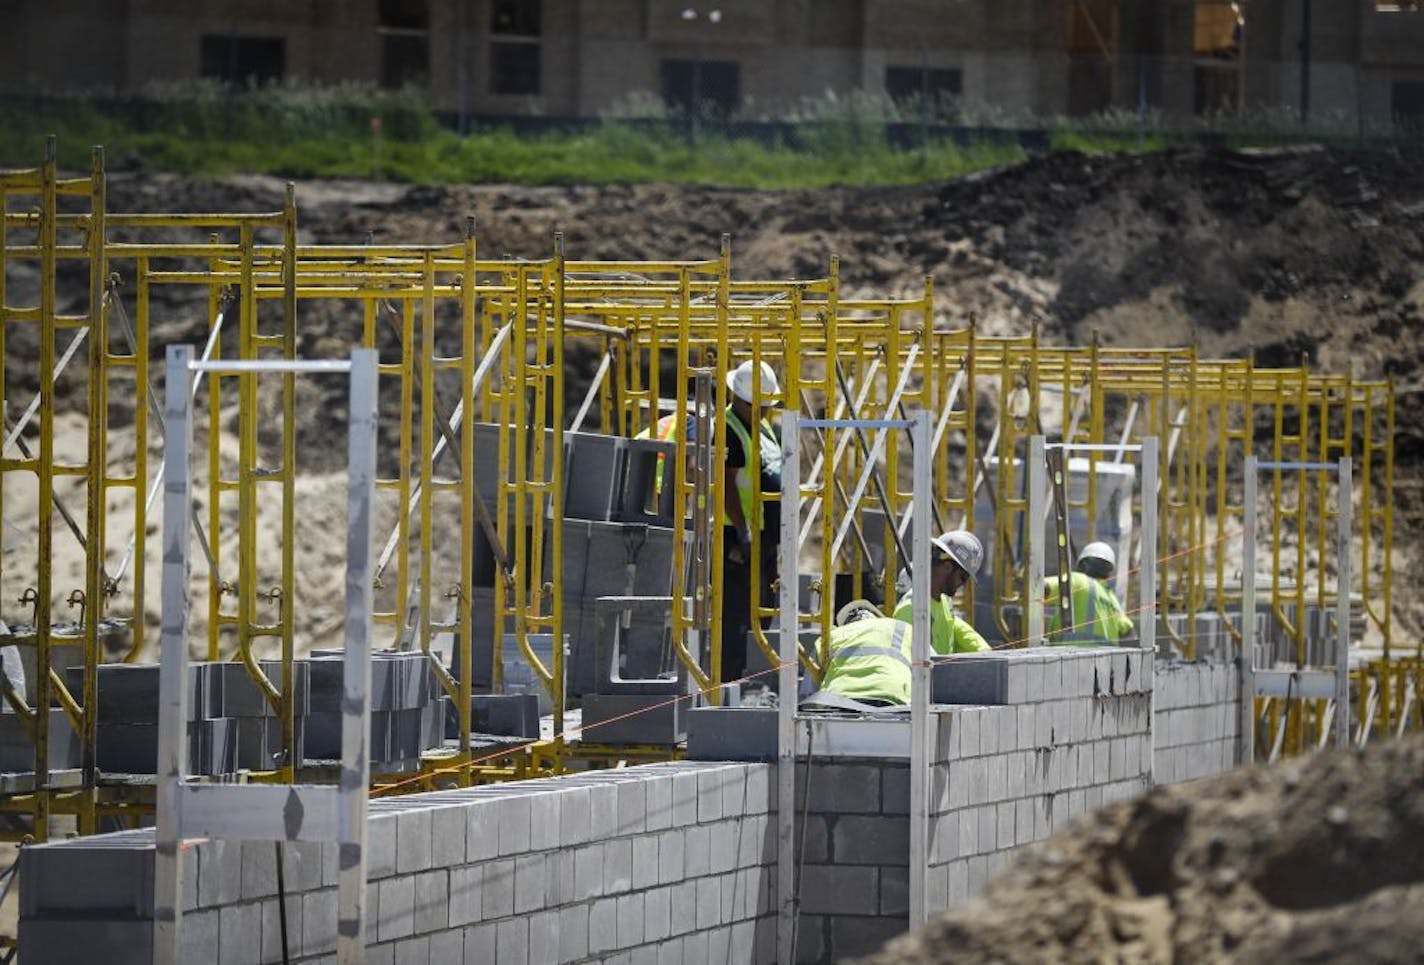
x=667 y=428
x=870 y=660
x=1097 y=615
x=949 y=633
x=747 y=484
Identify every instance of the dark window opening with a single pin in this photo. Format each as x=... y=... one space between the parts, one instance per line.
x=514 y=68
x=715 y=85
x=405 y=15
x=934 y=83
x=405 y=59
x=520 y=18
x=1407 y=103
x=242 y=60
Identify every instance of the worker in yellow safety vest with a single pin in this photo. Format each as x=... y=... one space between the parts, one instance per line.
x=748 y=467
x=868 y=665
x=1098 y=619
x=956 y=559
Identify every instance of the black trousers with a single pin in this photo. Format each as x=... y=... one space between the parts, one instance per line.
x=737 y=599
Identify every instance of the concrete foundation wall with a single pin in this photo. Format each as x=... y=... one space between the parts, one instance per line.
x=677 y=862
x=1195 y=720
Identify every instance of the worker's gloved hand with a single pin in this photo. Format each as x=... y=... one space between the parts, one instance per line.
x=741 y=550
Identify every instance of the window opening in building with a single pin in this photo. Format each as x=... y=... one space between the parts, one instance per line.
x=715 y=85
x=935 y=84
x=242 y=60
x=404 y=27
x=516 y=28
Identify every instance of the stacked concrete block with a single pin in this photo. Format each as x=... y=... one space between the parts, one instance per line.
x=855 y=861
x=666 y=862
x=593 y=475
x=408 y=709
x=128 y=722
x=642 y=500
x=17 y=746
x=1196 y=721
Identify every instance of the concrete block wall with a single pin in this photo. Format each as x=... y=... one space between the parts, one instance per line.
x=1078 y=736
x=1195 y=724
x=665 y=862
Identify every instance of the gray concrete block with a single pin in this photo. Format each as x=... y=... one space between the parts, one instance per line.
x=412 y=951
x=657 y=914
x=603 y=811
x=734 y=790
x=842 y=788
x=838 y=889
x=697 y=851
x=574 y=817
x=854 y=936
x=724 y=844
x=497 y=895
x=530 y=883
x=480 y=942
x=512 y=941
x=895 y=790
x=506 y=715
x=318 y=922
x=731 y=734
x=632 y=807
x=514 y=824
x=684 y=799
x=658 y=803
x=432 y=901
x=240 y=927
x=466 y=888
x=593 y=474
x=588 y=872
x=645 y=861
x=397 y=908
x=970 y=679
x=270 y=926
x=880 y=840
x=573 y=932
x=684 y=907
x=447 y=836
x=70 y=942
x=544 y=937
x=641 y=501
x=709 y=902
x=447 y=946
x=630 y=920
x=670 y=852
x=603 y=926
x=413 y=840
x=617 y=866
x=544 y=820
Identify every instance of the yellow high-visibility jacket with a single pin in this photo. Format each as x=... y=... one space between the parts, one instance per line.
x=870 y=660
x=1097 y=615
x=949 y=633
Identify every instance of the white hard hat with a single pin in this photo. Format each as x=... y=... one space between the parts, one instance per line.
x=739 y=382
x=1099 y=552
x=964 y=548
x=857 y=610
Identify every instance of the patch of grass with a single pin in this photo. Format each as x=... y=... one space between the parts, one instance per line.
x=295 y=131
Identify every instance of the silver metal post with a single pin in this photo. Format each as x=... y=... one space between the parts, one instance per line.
x=173 y=659
x=1246 y=719
x=1147 y=572
x=920 y=673
x=1037 y=484
x=1342 y=603
x=786 y=716
x=356 y=669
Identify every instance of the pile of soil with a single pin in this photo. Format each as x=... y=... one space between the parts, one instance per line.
x=1314 y=860
x=1310 y=254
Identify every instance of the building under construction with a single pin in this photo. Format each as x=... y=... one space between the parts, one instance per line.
x=1354 y=59
x=512 y=741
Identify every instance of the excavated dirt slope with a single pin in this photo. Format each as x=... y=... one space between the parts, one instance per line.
x=1308 y=861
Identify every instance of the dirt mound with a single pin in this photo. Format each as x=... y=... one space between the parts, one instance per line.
x=1308 y=861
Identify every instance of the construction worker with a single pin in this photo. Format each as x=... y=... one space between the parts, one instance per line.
x=869 y=662
x=955 y=560
x=1098 y=619
x=747 y=466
